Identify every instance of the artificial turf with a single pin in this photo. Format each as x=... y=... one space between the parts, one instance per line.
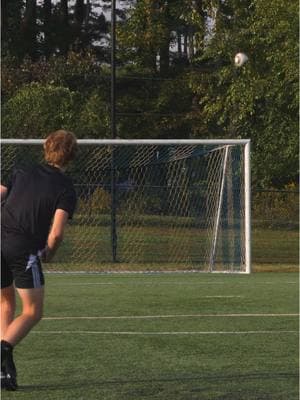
x=163 y=336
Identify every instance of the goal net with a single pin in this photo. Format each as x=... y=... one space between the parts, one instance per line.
x=153 y=205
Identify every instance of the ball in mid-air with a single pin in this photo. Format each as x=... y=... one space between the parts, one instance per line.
x=240 y=59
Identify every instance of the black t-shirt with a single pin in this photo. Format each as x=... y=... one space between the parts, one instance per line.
x=34 y=194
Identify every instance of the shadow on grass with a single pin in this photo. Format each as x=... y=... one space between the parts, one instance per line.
x=216 y=379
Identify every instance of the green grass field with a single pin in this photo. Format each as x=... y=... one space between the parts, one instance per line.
x=163 y=336
x=89 y=247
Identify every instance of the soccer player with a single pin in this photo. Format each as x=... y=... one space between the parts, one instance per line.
x=38 y=201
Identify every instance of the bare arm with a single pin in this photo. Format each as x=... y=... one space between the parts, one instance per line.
x=3 y=192
x=56 y=235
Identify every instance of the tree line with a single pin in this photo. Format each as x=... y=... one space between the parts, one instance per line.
x=175 y=73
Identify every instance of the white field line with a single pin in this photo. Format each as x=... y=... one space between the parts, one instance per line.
x=168 y=316
x=222 y=297
x=165 y=333
x=204 y=297
x=85 y=283
x=122 y=274
x=182 y=283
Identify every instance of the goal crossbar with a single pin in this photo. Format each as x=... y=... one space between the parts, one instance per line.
x=133 y=142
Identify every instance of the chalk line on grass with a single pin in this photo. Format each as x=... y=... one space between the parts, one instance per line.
x=100 y=317
x=186 y=333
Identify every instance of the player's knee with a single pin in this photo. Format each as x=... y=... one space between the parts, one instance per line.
x=7 y=306
x=8 y=303
x=8 y=299
x=34 y=314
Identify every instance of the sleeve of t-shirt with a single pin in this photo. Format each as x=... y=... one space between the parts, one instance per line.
x=67 y=201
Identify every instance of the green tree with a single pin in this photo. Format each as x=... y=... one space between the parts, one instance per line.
x=45 y=28
x=191 y=90
x=37 y=109
x=151 y=29
x=259 y=101
x=94 y=117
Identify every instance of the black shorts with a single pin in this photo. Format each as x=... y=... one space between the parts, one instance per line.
x=20 y=265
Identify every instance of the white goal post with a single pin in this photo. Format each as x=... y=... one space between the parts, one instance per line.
x=182 y=203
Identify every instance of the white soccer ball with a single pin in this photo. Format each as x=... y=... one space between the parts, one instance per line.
x=240 y=59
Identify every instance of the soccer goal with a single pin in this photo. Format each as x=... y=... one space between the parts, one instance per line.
x=154 y=204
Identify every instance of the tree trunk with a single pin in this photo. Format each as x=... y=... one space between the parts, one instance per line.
x=198 y=5
x=164 y=53
x=165 y=42
x=4 y=16
x=87 y=12
x=47 y=28
x=78 y=26
x=185 y=44
x=79 y=12
x=29 y=29
x=64 y=37
x=191 y=43
x=179 y=50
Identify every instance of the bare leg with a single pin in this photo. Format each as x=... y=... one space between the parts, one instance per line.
x=14 y=330
x=8 y=308
x=32 y=311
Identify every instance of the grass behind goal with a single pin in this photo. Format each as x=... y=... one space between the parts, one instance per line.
x=163 y=337
x=270 y=251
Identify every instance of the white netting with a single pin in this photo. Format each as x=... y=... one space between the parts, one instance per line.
x=177 y=206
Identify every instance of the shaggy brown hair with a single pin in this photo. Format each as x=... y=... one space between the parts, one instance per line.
x=60 y=147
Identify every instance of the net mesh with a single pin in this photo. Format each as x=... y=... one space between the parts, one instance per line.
x=176 y=206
